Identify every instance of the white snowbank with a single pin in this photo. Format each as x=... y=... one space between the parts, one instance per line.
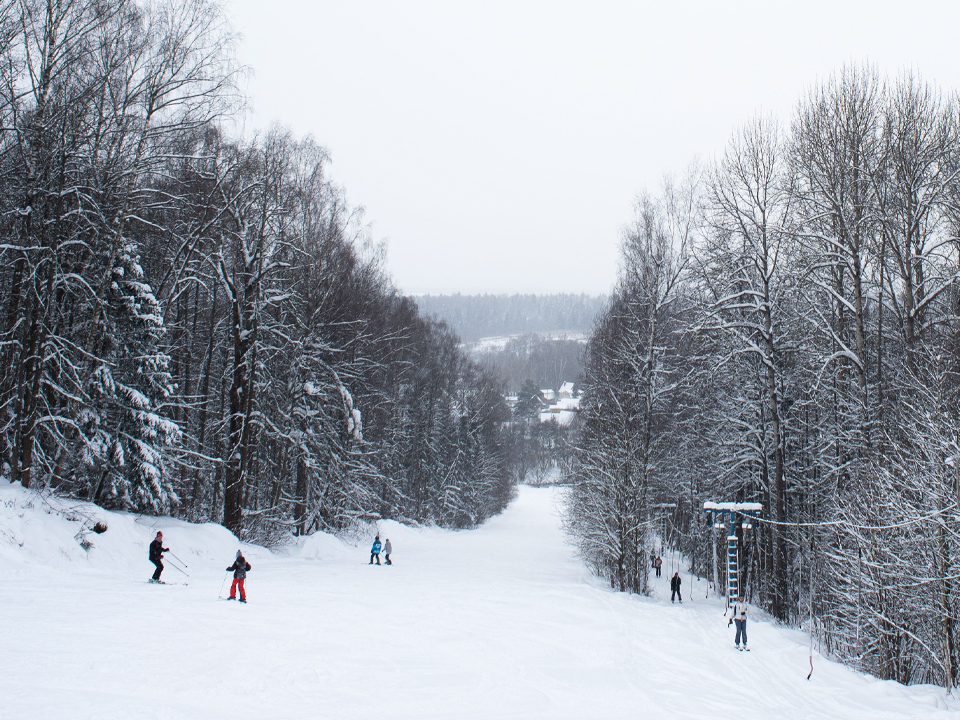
x=42 y=530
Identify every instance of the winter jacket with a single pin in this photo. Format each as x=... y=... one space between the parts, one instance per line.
x=156 y=551
x=388 y=548
x=738 y=611
x=675 y=582
x=240 y=567
x=657 y=562
x=376 y=547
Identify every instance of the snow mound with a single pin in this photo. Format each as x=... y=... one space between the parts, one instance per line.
x=37 y=528
x=326 y=547
x=321 y=546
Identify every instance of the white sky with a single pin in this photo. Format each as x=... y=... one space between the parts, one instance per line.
x=498 y=146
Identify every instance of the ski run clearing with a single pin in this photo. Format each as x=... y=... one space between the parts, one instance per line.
x=499 y=622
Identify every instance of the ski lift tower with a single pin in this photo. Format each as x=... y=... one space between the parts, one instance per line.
x=726 y=515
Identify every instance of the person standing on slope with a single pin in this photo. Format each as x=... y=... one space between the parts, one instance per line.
x=675 y=587
x=657 y=564
x=387 y=549
x=240 y=567
x=738 y=615
x=375 y=551
x=156 y=556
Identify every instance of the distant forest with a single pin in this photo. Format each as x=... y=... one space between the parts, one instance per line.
x=546 y=362
x=474 y=317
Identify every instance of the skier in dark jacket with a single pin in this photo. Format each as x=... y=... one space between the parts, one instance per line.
x=675 y=587
x=657 y=564
x=375 y=551
x=240 y=567
x=156 y=556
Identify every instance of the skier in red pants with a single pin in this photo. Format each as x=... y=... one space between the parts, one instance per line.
x=240 y=567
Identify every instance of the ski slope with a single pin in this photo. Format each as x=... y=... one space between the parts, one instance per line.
x=498 y=622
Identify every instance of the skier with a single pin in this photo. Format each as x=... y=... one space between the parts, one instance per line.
x=375 y=551
x=657 y=564
x=387 y=549
x=675 y=587
x=156 y=556
x=240 y=567
x=738 y=615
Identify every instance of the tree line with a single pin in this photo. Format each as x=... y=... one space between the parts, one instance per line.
x=474 y=317
x=198 y=324
x=786 y=329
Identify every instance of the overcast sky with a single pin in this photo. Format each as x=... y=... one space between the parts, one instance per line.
x=499 y=146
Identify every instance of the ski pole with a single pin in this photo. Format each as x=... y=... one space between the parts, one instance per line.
x=220 y=594
x=178 y=559
x=174 y=565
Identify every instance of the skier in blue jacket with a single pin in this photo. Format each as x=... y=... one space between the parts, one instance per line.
x=375 y=551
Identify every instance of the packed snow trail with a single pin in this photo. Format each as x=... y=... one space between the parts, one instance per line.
x=499 y=622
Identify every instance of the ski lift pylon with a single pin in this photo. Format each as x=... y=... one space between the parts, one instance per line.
x=727 y=514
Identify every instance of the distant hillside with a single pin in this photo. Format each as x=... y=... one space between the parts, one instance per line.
x=479 y=316
x=546 y=361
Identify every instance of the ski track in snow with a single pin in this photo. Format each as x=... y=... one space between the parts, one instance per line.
x=499 y=622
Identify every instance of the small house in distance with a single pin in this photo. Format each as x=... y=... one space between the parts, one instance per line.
x=563 y=409
x=548 y=394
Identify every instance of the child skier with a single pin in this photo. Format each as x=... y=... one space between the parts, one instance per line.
x=375 y=551
x=675 y=587
x=738 y=615
x=387 y=549
x=156 y=556
x=240 y=567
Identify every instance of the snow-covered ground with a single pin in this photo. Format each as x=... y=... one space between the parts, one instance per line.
x=499 y=622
